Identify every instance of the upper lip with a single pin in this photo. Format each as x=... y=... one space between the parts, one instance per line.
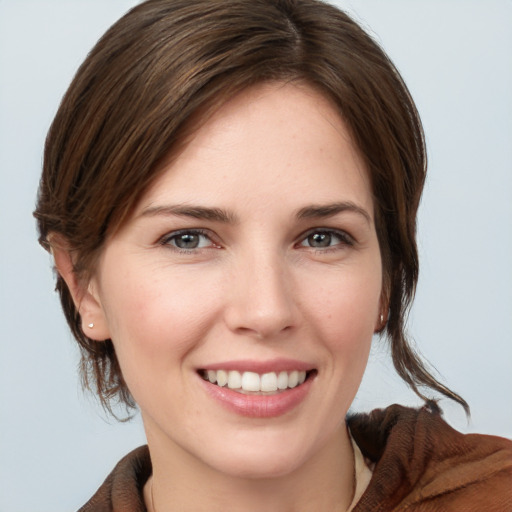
x=261 y=367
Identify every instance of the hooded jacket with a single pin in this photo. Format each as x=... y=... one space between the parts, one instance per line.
x=421 y=464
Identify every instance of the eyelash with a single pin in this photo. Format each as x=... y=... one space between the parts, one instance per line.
x=345 y=240
x=167 y=240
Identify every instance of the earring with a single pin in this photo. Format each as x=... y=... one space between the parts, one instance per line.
x=381 y=318
x=91 y=325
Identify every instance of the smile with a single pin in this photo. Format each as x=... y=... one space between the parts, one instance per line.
x=254 y=383
x=258 y=389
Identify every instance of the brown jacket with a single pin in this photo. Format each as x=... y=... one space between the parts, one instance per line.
x=421 y=465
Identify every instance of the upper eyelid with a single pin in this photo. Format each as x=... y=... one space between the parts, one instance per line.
x=198 y=231
x=215 y=239
x=340 y=232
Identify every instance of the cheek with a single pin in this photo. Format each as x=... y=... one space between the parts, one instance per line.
x=344 y=312
x=155 y=319
x=347 y=303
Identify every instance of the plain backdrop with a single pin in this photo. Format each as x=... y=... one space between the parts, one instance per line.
x=56 y=446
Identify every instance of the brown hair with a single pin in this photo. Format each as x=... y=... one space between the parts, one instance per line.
x=166 y=60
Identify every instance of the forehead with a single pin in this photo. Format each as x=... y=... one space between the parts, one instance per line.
x=271 y=141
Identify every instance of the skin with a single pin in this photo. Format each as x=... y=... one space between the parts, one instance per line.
x=257 y=287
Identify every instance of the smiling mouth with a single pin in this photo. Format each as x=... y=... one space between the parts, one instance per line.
x=252 y=383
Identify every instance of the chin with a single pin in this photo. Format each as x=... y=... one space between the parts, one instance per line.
x=263 y=459
x=261 y=468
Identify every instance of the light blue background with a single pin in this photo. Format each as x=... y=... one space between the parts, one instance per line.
x=55 y=445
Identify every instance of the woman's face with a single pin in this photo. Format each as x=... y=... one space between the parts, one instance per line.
x=252 y=259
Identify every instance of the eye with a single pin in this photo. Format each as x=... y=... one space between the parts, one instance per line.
x=189 y=239
x=325 y=238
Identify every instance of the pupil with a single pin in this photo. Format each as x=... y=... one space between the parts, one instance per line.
x=187 y=241
x=320 y=240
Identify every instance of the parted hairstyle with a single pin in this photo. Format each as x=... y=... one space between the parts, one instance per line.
x=159 y=71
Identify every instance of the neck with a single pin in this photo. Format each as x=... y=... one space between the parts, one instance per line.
x=323 y=482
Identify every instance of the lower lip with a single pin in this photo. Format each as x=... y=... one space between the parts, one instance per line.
x=259 y=406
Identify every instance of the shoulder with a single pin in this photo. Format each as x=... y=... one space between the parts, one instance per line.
x=122 y=490
x=424 y=464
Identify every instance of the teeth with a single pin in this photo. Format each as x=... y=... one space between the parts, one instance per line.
x=222 y=378
x=282 y=380
x=293 y=379
x=251 y=381
x=234 y=380
x=269 y=382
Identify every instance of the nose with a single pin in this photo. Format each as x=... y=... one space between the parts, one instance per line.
x=261 y=301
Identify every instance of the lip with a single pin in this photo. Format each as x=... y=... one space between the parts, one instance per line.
x=259 y=406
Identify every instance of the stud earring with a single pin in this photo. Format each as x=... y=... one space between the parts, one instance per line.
x=381 y=318
x=91 y=325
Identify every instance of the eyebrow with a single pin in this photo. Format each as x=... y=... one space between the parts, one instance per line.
x=329 y=210
x=196 y=212
x=226 y=217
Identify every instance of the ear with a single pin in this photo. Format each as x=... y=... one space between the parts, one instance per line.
x=85 y=295
x=382 y=319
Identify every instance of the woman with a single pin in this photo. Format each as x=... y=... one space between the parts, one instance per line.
x=230 y=193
